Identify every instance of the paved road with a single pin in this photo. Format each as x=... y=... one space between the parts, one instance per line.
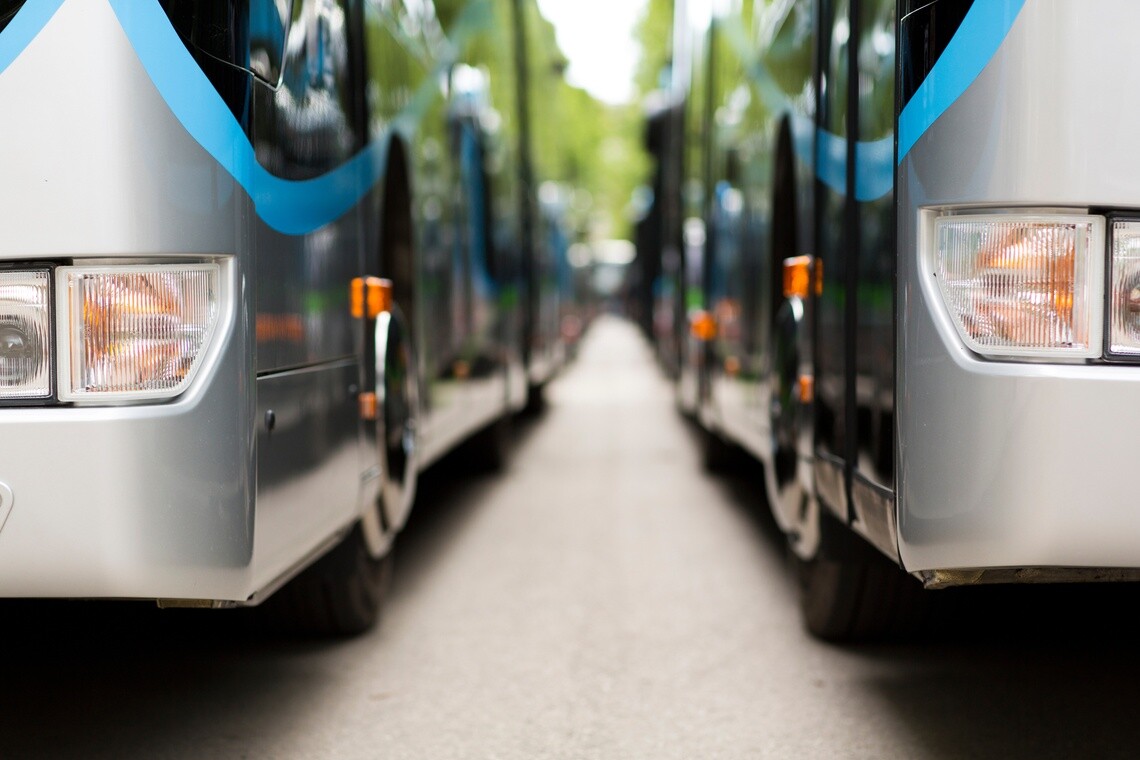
x=601 y=599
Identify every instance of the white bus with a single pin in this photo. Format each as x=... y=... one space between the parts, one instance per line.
x=910 y=233
x=205 y=386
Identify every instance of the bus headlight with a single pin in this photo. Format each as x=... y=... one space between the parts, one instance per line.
x=25 y=335
x=1124 y=335
x=134 y=332
x=1022 y=285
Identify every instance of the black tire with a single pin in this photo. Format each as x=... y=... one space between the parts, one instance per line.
x=489 y=449
x=535 y=400
x=718 y=455
x=341 y=594
x=850 y=592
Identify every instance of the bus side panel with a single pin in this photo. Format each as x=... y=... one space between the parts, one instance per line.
x=1008 y=464
x=309 y=468
x=692 y=189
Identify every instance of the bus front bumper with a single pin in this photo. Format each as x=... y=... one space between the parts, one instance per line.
x=150 y=502
x=1013 y=465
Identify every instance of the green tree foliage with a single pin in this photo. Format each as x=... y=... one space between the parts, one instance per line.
x=590 y=148
x=654 y=34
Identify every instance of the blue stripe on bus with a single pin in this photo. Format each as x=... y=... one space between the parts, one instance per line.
x=874 y=168
x=297 y=207
x=977 y=40
x=874 y=164
x=831 y=160
x=874 y=159
x=24 y=27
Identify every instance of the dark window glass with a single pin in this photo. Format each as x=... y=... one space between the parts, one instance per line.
x=268 y=28
x=248 y=34
x=217 y=29
x=925 y=33
x=8 y=9
x=217 y=35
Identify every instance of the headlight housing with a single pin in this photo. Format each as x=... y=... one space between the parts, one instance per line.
x=134 y=332
x=25 y=334
x=1022 y=285
x=1124 y=289
x=103 y=333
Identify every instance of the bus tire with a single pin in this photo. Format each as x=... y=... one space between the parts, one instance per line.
x=850 y=592
x=339 y=595
x=535 y=400
x=717 y=454
x=489 y=449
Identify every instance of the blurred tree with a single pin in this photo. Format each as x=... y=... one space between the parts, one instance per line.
x=590 y=148
x=654 y=33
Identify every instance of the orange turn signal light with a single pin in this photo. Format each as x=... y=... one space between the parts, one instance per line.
x=702 y=325
x=798 y=277
x=368 y=406
x=370 y=297
x=807 y=388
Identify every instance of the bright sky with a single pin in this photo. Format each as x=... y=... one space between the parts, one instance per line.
x=597 y=38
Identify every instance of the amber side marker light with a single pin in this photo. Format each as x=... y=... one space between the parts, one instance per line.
x=702 y=325
x=806 y=385
x=798 y=280
x=370 y=297
x=368 y=406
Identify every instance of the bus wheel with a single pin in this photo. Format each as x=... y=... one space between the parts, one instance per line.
x=397 y=393
x=489 y=449
x=851 y=592
x=718 y=456
x=341 y=594
x=788 y=474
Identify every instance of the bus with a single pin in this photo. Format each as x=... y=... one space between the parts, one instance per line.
x=262 y=263
x=908 y=235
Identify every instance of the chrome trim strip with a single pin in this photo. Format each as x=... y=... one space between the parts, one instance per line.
x=936 y=579
x=875 y=517
x=829 y=484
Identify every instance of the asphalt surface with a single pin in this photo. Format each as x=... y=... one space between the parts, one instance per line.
x=602 y=598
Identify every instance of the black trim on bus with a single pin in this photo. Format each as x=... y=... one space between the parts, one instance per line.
x=925 y=28
x=896 y=319
x=323 y=364
x=818 y=189
x=853 y=245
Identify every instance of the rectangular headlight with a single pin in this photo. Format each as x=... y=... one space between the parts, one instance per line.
x=1022 y=285
x=1124 y=335
x=25 y=335
x=134 y=332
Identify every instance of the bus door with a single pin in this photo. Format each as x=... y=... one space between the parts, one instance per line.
x=835 y=246
x=874 y=368
x=480 y=356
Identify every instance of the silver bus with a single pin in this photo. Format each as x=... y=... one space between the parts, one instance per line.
x=905 y=240
x=262 y=263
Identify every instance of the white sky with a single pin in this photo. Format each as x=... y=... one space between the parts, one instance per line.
x=597 y=38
